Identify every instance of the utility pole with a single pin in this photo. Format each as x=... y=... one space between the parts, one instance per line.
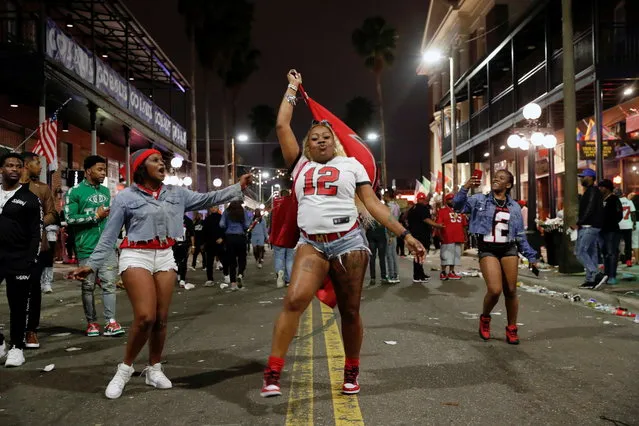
x=568 y=261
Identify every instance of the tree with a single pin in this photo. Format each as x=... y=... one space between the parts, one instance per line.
x=375 y=41
x=359 y=113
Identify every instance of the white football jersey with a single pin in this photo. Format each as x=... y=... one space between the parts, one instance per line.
x=628 y=208
x=326 y=194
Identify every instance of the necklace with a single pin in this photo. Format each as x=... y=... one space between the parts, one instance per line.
x=501 y=204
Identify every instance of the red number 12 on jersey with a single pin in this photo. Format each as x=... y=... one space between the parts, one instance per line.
x=326 y=177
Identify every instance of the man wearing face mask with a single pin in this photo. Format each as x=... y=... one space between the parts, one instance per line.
x=589 y=226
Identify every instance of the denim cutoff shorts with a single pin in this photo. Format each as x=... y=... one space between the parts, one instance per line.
x=353 y=241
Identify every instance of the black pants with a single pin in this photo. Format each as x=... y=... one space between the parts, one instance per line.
x=19 y=290
x=236 y=255
x=181 y=255
x=198 y=250
x=418 y=268
x=212 y=251
x=400 y=247
x=626 y=235
x=377 y=244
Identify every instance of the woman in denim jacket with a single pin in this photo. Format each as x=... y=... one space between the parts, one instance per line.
x=152 y=215
x=497 y=222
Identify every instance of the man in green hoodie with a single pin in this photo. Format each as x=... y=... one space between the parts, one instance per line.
x=86 y=209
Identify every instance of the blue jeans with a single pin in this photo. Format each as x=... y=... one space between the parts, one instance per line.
x=610 y=250
x=586 y=251
x=391 y=258
x=353 y=241
x=108 y=274
x=284 y=261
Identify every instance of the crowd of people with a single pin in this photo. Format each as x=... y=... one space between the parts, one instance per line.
x=326 y=232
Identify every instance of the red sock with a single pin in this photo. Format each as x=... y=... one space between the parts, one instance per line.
x=275 y=363
x=351 y=362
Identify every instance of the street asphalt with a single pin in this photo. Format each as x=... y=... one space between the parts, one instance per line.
x=422 y=362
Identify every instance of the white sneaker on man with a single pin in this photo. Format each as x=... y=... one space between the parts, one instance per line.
x=15 y=358
x=209 y=283
x=259 y=265
x=119 y=381
x=47 y=289
x=280 y=279
x=155 y=377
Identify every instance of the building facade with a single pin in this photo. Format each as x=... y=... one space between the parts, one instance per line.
x=124 y=92
x=507 y=54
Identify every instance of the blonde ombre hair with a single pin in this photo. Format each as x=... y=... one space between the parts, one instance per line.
x=367 y=219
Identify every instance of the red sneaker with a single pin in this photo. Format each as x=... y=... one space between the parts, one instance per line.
x=484 y=326
x=350 y=386
x=511 y=335
x=443 y=276
x=271 y=384
x=454 y=276
x=93 y=329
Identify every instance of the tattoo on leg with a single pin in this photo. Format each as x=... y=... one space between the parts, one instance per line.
x=308 y=264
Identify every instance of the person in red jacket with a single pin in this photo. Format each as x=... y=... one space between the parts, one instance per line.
x=283 y=244
x=453 y=235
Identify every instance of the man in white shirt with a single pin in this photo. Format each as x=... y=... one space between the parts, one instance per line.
x=627 y=224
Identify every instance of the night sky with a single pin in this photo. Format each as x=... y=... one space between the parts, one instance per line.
x=315 y=38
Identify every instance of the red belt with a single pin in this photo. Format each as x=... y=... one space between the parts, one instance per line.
x=328 y=238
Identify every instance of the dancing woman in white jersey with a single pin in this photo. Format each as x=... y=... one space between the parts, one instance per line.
x=331 y=242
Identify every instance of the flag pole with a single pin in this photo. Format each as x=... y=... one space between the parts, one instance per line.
x=36 y=129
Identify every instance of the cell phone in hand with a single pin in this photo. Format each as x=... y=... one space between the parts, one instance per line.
x=477 y=174
x=535 y=270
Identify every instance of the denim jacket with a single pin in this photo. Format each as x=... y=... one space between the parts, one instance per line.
x=482 y=213
x=146 y=218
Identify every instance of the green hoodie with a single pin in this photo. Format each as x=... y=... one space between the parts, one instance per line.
x=81 y=204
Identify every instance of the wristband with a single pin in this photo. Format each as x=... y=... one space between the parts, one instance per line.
x=404 y=234
x=292 y=87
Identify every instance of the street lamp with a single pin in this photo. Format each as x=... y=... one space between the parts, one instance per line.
x=176 y=162
x=217 y=182
x=242 y=137
x=435 y=56
x=372 y=137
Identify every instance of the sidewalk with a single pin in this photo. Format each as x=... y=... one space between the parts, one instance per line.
x=625 y=294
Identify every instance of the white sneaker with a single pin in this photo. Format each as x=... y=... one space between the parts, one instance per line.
x=234 y=287
x=280 y=279
x=259 y=265
x=117 y=383
x=155 y=377
x=191 y=268
x=15 y=358
x=3 y=349
x=47 y=289
x=182 y=283
x=209 y=283
x=227 y=279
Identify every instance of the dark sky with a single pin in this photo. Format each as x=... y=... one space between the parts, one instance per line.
x=315 y=38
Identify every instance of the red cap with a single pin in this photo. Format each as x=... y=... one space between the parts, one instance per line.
x=421 y=196
x=449 y=196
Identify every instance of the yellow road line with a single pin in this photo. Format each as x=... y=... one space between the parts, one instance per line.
x=345 y=407
x=300 y=402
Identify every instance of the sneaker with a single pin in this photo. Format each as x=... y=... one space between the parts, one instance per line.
x=600 y=279
x=443 y=276
x=155 y=377
x=240 y=278
x=3 y=349
x=394 y=280
x=453 y=276
x=234 y=287
x=425 y=279
x=511 y=335
x=209 y=283
x=612 y=281
x=47 y=289
x=191 y=268
x=112 y=328
x=182 y=283
x=93 y=329
x=350 y=386
x=588 y=285
x=227 y=279
x=484 y=326
x=271 y=383
x=280 y=279
x=117 y=383
x=31 y=340
x=15 y=358
x=259 y=265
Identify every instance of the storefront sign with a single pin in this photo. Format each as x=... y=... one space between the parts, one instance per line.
x=178 y=135
x=588 y=150
x=162 y=122
x=110 y=82
x=140 y=105
x=68 y=53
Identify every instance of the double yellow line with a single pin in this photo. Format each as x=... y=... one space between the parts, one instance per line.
x=300 y=407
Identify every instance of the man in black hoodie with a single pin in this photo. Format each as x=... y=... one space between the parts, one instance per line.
x=20 y=235
x=610 y=233
x=590 y=221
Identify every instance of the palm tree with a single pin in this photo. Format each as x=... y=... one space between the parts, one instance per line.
x=375 y=41
x=359 y=113
x=193 y=12
x=262 y=119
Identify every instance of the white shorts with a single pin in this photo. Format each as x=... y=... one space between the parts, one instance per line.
x=450 y=254
x=151 y=260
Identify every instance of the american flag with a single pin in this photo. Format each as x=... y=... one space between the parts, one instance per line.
x=47 y=145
